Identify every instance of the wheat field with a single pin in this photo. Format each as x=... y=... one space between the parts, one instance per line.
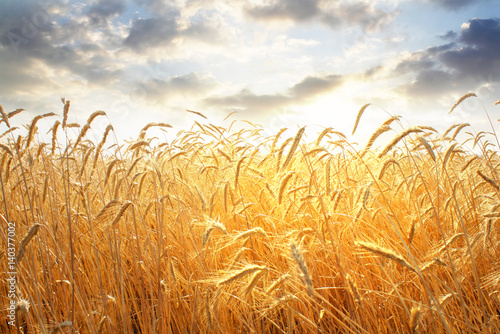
x=223 y=230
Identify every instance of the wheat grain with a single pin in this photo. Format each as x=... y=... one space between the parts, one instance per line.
x=85 y=128
x=139 y=144
x=487 y=232
x=109 y=169
x=101 y=144
x=154 y=124
x=414 y=317
x=65 y=113
x=214 y=225
x=277 y=283
x=386 y=164
x=6 y=149
x=120 y=213
x=59 y=328
x=427 y=147
x=322 y=135
x=248 y=270
x=358 y=117
x=460 y=100
x=385 y=253
x=178 y=154
x=449 y=152
x=295 y=144
x=249 y=233
x=391 y=119
x=411 y=233
x=283 y=184
x=487 y=179
x=32 y=128
x=197 y=113
x=100 y=326
x=458 y=129
x=354 y=289
x=237 y=174
x=305 y=277
x=396 y=139
x=27 y=238
x=382 y=129
x=468 y=163
x=254 y=280
x=5 y=118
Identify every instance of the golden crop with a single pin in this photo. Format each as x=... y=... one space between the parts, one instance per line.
x=226 y=231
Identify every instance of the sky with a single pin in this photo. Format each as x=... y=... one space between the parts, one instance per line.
x=277 y=63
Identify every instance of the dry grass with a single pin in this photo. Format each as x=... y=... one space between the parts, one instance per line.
x=213 y=233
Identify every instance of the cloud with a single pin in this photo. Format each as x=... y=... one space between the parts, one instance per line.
x=453 y=4
x=480 y=54
x=309 y=88
x=172 y=30
x=159 y=91
x=333 y=14
x=429 y=83
x=312 y=86
x=155 y=31
x=38 y=38
x=247 y=100
x=104 y=9
x=470 y=61
x=296 y=10
x=450 y=35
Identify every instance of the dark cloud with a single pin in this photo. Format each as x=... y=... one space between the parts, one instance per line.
x=333 y=14
x=39 y=37
x=104 y=9
x=450 y=35
x=155 y=31
x=299 y=93
x=247 y=100
x=482 y=33
x=471 y=61
x=313 y=86
x=453 y=4
x=297 y=10
x=161 y=31
x=429 y=83
x=365 y=15
x=480 y=54
x=158 y=90
x=416 y=63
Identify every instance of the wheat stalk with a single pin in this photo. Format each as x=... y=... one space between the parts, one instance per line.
x=382 y=129
x=65 y=112
x=385 y=253
x=5 y=118
x=27 y=238
x=248 y=270
x=358 y=117
x=460 y=100
x=487 y=179
x=197 y=113
x=254 y=280
x=305 y=277
x=120 y=213
x=414 y=316
x=214 y=225
x=283 y=184
x=396 y=139
x=295 y=144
